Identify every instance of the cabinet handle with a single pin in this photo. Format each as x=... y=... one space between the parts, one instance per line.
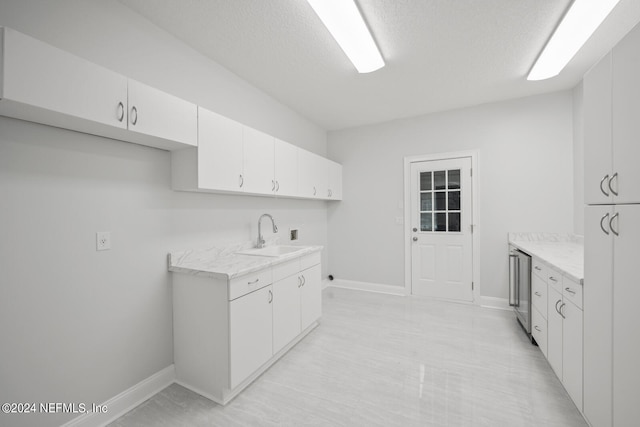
x=270 y=296
x=562 y=312
x=120 y=111
x=557 y=310
x=602 y=221
x=314 y=191
x=538 y=294
x=571 y=291
x=241 y=181
x=299 y=281
x=134 y=115
x=537 y=328
x=273 y=185
x=614 y=176
x=277 y=186
x=304 y=280
x=253 y=282
x=553 y=279
x=606 y=177
x=613 y=230
x=537 y=268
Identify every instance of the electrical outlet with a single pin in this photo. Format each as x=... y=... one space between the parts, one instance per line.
x=103 y=240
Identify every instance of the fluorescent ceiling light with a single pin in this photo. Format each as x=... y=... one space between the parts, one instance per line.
x=343 y=20
x=580 y=22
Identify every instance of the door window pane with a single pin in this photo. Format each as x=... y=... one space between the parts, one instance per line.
x=454 y=221
x=439 y=178
x=426 y=222
x=441 y=222
x=426 y=203
x=440 y=201
x=454 y=200
x=425 y=181
x=454 y=179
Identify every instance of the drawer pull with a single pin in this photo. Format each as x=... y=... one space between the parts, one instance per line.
x=537 y=268
x=538 y=294
x=553 y=279
x=253 y=282
x=537 y=328
x=571 y=291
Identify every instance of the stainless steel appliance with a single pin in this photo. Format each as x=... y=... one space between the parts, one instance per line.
x=520 y=286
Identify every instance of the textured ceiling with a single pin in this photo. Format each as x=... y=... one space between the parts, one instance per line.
x=440 y=54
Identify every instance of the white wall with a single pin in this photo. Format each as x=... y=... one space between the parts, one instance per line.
x=79 y=325
x=578 y=161
x=525 y=179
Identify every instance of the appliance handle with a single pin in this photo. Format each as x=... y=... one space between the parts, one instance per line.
x=512 y=280
x=518 y=281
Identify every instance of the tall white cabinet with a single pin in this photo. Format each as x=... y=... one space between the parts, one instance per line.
x=612 y=236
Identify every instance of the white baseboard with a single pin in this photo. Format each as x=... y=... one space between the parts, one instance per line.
x=493 y=302
x=127 y=400
x=367 y=286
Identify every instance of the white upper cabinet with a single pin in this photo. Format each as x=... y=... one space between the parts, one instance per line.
x=334 y=172
x=611 y=125
x=285 y=168
x=597 y=133
x=257 y=154
x=45 y=84
x=626 y=126
x=219 y=153
x=158 y=114
x=312 y=175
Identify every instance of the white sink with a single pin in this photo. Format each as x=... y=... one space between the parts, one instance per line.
x=272 y=251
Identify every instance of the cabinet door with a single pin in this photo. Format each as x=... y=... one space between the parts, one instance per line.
x=250 y=333
x=312 y=175
x=335 y=180
x=40 y=75
x=626 y=335
x=554 y=331
x=285 y=168
x=219 y=152
x=598 y=315
x=257 y=162
x=597 y=132
x=539 y=330
x=156 y=113
x=572 y=351
x=286 y=311
x=626 y=110
x=310 y=296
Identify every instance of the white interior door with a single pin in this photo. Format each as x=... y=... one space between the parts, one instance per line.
x=441 y=239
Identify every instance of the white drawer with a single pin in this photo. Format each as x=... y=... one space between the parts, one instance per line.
x=310 y=260
x=539 y=294
x=554 y=280
x=243 y=285
x=539 y=330
x=540 y=269
x=572 y=291
x=286 y=269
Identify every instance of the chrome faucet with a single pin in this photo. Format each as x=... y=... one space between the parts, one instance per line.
x=260 y=238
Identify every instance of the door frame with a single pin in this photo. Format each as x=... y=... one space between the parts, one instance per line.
x=475 y=252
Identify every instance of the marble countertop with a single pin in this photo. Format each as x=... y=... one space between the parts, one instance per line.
x=225 y=263
x=564 y=252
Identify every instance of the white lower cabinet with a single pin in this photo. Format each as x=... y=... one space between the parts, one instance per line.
x=557 y=325
x=227 y=332
x=250 y=333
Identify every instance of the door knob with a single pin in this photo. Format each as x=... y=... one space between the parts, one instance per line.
x=415 y=229
x=415 y=239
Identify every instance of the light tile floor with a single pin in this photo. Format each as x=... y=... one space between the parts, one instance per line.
x=381 y=360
